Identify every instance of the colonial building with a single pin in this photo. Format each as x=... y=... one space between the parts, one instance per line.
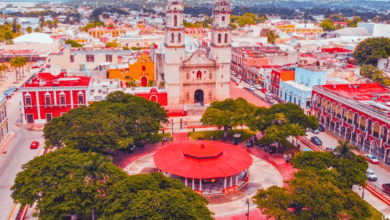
x=202 y=76
x=142 y=71
x=3 y=118
x=356 y=112
x=46 y=96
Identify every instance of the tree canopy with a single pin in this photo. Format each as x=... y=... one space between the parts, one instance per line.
x=320 y=190
x=371 y=50
x=228 y=113
x=112 y=44
x=73 y=43
x=271 y=36
x=111 y=124
x=66 y=182
x=154 y=196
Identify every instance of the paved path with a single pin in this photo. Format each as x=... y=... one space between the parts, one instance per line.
x=238 y=91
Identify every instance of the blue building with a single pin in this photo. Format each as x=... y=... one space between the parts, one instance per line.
x=299 y=90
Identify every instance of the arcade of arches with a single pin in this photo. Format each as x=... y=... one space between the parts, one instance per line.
x=367 y=134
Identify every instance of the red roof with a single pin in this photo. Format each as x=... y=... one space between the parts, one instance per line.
x=202 y=159
x=362 y=91
x=48 y=80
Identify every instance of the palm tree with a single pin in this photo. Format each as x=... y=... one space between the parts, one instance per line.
x=271 y=36
x=3 y=67
x=22 y=63
x=15 y=64
x=344 y=148
x=95 y=168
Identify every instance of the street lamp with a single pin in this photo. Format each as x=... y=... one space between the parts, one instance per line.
x=247 y=214
x=172 y=129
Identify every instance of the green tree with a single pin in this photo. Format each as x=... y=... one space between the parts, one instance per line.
x=29 y=30
x=112 y=44
x=126 y=48
x=55 y=23
x=344 y=149
x=17 y=63
x=73 y=43
x=111 y=124
x=154 y=196
x=228 y=113
x=3 y=68
x=37 y=30
x=336 y=17
x=327 y=25
x=66 y=182
x=371 y=50
x=271 y=36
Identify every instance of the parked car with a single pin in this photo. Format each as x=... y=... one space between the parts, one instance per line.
x=239 y=76
x=252 y=88
x=371 y=158
x=321 y=128
x=316 y=131
x=386 y=188
x=258 y=87
x=315 y=140
x=371 y=175
x=130 y=148
x=34 y=145
x=329 y=149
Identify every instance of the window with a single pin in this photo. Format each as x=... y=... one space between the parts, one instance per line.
x=226 y=38
x=80 y=98
x=210 y=75
x=109 y=58
x=72 y=58
x=90 y=58
x=172 y=38
x=179 y=38
x=223 y=18
x=47 y=99
x=62 y=99
x=199 y=75
x=188 y=76
x=219 y=38
x=28 y=99
x=175 y=20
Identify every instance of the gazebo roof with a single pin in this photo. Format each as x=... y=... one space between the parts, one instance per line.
x=202 y=159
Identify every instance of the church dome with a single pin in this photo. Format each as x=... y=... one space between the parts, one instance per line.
x=38 y=38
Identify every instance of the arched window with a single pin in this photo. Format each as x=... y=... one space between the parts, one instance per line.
x=210 y=75
x=179 y=38
x=172 y=37
x=223 y=18
x=175 y=20
x=219 y=38
x=188 y=76
x=199 y=75
x=226 y=38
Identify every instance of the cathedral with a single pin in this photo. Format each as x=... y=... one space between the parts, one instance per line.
x=192 y=74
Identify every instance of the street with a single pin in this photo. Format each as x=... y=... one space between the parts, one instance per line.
x=17 y=153
x=330 y=141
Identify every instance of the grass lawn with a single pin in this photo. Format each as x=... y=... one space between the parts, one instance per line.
x=376 y=215
x=217 y=135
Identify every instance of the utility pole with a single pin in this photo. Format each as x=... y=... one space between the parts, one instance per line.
x=247 y=214
x=172 y=129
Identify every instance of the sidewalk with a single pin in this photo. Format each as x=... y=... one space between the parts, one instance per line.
x=10 y=77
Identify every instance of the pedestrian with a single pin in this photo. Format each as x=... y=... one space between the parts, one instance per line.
x=285 y=157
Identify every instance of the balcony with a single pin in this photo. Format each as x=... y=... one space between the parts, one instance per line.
x=349 y=121
x=375 y=135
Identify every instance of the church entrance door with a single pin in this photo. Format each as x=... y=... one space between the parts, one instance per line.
x=144 y=81
x=199 y=96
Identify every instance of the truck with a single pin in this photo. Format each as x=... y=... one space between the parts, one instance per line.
x=386 y=188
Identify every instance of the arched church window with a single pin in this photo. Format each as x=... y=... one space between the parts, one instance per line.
x=175 y=20
x=187 y=97
x=223 y=18
x=219 y=38
x=226 y=38
x=179 y=38
x=172 y=37
x=199 y=75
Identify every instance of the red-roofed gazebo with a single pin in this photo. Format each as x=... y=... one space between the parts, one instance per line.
x=205 y=161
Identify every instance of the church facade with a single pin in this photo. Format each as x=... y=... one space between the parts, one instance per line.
x=200 y=75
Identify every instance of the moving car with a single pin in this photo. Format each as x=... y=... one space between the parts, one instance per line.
x=315 y=140
x=34 y=145
x=371 y=158
x=258 y=87
x=371 y=175
x=321 y=128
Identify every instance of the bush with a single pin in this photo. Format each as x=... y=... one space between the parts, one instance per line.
x=217 y=135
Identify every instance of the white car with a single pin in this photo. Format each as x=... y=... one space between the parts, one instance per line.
x=371 y=175
x=258 y=87
x=239 y=76
x=252 y=88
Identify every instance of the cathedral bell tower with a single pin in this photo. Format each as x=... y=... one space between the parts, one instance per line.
x=174 y=48
x=220 y=47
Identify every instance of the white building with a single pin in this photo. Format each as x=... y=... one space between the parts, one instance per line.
x=376 y=30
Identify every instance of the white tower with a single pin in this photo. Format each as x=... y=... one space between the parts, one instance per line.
x=221 y=50
x=174 y=49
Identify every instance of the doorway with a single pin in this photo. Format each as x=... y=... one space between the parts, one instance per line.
x=48 y=117
x=144 y=81
x=30 y=119
x=199 y=96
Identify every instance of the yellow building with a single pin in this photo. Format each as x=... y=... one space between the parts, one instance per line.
x=290 y=28
x=141 y=71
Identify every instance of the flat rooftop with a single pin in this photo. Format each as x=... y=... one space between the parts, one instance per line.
x=61 y=80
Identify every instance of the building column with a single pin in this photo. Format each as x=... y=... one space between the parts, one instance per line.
x=200 y=185
x=38 y=105
x=236 y=179
x=185 y=181
x=71 y=98
x=193 y=184
x=224 y=183
x=231 y=181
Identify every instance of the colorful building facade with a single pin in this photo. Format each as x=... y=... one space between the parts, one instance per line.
x=3 y=118
x=47 y=96
x=141 y=71
x=358 y=113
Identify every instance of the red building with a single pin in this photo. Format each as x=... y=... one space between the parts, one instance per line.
x=46 y=96
x=356 y=112
x=278 y=75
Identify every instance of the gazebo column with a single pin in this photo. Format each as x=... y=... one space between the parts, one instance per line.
x=237 y=179
x=200 y=184
x=185 y=181
x=193 y=184
x=231 y=181
x=224 y=183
